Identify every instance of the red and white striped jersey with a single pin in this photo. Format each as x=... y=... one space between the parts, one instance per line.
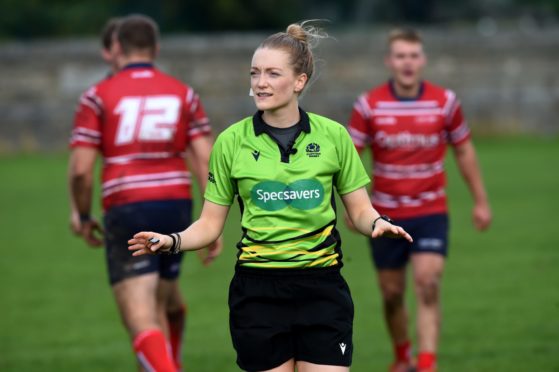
x=141 y=120
x=408 y=139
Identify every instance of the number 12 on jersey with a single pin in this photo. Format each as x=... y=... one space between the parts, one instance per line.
x=149 y=118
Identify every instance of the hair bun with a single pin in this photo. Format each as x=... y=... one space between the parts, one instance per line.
x=297 y=32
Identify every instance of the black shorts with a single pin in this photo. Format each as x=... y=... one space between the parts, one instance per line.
x=429 y=233
x=278 y=315
x=123 y=221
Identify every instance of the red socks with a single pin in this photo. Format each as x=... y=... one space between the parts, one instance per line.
x=152 y=352
x=402 y=351
x=176 y=322
x=426 y=360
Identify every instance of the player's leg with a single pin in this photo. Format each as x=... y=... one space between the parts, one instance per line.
x=134 y=282
x=288 y=366
x=172 y=216
x=172 y=312
x=392 y=285
x=323 y=325
x=428 y=258
x=311 y=367
x=428 y=270
x=391 y=257
x=136 y=300
x=260 y=313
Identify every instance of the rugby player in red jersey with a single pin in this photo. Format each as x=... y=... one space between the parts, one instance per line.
x=408 y=123
x=144 y=123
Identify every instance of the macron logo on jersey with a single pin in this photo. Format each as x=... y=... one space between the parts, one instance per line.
x=407 y=139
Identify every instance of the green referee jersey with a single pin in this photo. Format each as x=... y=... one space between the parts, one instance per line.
x=286 y=195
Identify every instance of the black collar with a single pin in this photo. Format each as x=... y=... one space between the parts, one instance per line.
x=393 y=91
x=138 y=65
x=260 y=126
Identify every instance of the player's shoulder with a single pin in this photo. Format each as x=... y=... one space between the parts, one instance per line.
x=94 y=89
x=97 y=89
x=92 y=97
x=437 y=92
x=164 y=76
x=377 y=93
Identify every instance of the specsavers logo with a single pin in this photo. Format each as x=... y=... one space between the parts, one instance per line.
x=274 y=195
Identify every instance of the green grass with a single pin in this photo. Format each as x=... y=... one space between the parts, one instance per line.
x=500 y=293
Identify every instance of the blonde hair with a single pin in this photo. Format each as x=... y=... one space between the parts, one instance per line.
x=298 y=40
x=405 y=34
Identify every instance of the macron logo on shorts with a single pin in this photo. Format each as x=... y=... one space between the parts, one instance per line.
x=342 y=348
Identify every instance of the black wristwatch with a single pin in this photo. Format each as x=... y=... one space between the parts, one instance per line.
x=383 y=217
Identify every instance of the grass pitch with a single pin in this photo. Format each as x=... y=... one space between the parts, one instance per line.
x=500 y=293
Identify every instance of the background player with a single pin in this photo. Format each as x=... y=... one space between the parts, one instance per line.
x=143 y=122
x=408 y=122
x=108 y=50
x=109 y=56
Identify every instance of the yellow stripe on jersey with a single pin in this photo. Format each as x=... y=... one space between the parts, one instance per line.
x=292 y=254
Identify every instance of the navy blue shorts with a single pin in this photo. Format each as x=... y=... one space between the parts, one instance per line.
x=123 y=221
x=429 y=233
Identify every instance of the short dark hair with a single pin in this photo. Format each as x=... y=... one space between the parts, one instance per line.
x=138 y=32
x=108 y=31
x=405 y=34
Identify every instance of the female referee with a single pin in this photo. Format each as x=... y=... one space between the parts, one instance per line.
x=289 y=306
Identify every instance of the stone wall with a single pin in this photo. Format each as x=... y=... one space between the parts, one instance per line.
x=508 y=82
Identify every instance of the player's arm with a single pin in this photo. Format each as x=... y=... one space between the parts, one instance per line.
x=363 y=215
x=198 y=156
x=465 y=154
x=75 y=224
x=80 y=177
x=468 y=165
x=358 y=128
x=197 y=236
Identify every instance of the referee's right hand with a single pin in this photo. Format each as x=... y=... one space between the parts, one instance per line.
x=142 y=243
x=388 y=230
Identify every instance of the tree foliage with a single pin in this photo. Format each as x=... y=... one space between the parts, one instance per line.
x=35 y=18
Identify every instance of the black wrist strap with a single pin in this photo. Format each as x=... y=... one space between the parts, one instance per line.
x=174 y=241
x=85 y=217
x=383 y=217
x=176 y=246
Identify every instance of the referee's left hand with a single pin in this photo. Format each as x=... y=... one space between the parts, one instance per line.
x=388 y=230
x=210 y=253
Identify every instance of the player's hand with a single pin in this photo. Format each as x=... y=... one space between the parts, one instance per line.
x=388 y=230
x=92 y=233
x=481 y=216
x=75 y=224
x=142 y=243
x=211 y=252
x=349 y=223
